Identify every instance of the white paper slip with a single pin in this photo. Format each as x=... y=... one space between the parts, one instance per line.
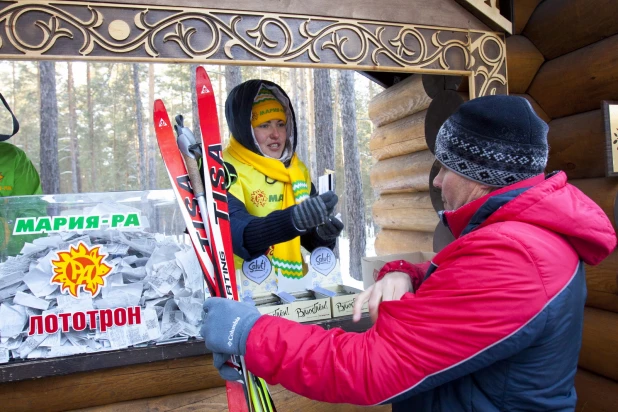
x=31 y=301
x=12 y=320
x=4 y=355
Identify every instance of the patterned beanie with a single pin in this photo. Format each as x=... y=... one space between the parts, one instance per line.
x=265 y=108
x=494 y=140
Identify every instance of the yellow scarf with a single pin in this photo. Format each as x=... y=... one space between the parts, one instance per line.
x=286 y=256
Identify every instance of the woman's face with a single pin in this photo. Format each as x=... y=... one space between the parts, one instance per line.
x=271 y=137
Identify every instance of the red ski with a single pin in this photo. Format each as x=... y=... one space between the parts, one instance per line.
x=184 y=193
x=238 y=400
x=215 y=179
x=214 y=183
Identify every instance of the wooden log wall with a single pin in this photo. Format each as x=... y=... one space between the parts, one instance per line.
x=407 y=117
x=576 y=42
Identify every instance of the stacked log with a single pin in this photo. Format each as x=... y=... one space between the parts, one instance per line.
x=578 y=73
x=577 y=145
x=558 y=27
x=402 y=115
x=578 y=81
x=523 y=60
x=600 y=343
x=595 y=393
x=522 y=13
x=405 y=211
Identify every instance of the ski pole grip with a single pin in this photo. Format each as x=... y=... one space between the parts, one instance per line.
x=194 y=174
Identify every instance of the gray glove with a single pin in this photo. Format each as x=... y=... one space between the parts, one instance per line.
x=314 y=211
x=226 y=325
x=330 y=229
x=227 y=372
x=225 y=329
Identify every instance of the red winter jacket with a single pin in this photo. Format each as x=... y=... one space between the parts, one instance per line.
x=495 y=324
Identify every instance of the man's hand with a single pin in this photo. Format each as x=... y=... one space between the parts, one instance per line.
x=391 y=287
x=225 y=328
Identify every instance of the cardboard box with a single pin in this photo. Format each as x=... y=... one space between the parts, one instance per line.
x=371 y=266
x=342 y=304
x=307 y=307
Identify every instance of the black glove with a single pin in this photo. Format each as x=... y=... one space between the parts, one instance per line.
x=330 y=229
x=314 y=211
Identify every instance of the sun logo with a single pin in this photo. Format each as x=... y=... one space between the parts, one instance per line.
x=258 y=197
x=80 y=267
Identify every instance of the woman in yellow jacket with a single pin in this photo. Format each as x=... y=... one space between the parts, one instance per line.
x=273 y=205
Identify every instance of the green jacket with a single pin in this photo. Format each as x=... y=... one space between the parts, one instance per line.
x=18 y=177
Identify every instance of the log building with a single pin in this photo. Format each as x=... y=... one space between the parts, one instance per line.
x=432 y=55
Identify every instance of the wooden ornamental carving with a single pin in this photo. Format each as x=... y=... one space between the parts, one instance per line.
x=61 y=30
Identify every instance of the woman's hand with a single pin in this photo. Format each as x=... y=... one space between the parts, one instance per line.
x=331 y=229
x=314 y=211
x=391 y=287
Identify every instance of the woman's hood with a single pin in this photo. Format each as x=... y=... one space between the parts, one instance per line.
x=238 y=112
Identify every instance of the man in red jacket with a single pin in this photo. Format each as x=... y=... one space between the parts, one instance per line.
x=492 y=323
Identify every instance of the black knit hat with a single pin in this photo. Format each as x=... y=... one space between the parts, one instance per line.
x=494 y=140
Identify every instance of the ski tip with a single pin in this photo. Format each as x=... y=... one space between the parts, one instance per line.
x=158 y=104
x=160 y=117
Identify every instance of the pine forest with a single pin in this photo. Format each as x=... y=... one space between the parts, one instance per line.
x=87 y=127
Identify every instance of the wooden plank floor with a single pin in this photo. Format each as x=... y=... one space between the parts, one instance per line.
x=215 y=400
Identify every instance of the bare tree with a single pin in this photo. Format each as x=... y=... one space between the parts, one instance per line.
x=76 y=177
x=50 y=170
x=323 y=112
x=93 y=175
x=302 y=144
x=354 y=200
x=233 y=77
x=194 y=112
x=152 y=165
x=307 y=81
x=139 y=116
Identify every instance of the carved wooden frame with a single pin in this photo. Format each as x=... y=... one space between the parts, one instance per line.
x=73 y=30
x=610 y=114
